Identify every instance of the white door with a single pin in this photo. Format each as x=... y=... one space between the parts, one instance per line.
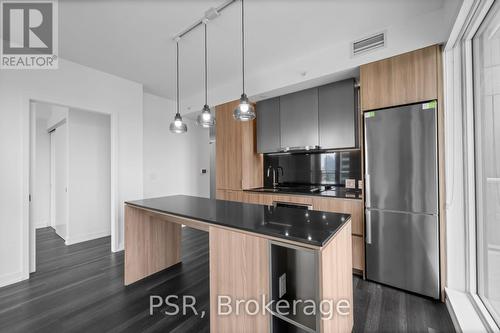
x=59 y=183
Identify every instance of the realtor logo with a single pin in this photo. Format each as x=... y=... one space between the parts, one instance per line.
x=29 y=35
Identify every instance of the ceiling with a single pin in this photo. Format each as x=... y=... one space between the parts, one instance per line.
x=133 y=39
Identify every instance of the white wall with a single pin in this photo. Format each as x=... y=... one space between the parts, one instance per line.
x=456 y=231
x=77 y=86
x=331 y=62
x=173 y=162
x=89 y=176
x=41 y=194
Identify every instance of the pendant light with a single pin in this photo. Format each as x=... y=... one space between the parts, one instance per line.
x=244 y=111
x=206 y=118
x=178 y=126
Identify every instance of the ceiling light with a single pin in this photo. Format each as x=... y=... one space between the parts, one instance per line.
x=205 y=118
x=245 y=110
x=178 y=126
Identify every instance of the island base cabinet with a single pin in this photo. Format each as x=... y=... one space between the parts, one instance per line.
x=239 y=270
x=151 y=244
x=336 y=281
x=324 y=276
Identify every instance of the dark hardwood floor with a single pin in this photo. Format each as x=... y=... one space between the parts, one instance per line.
x=79 y=288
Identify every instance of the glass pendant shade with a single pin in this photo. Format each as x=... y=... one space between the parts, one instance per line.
x=178 y=126
x=244 y=111
x=205 y=118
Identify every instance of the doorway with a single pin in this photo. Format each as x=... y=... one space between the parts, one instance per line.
x=70 y=174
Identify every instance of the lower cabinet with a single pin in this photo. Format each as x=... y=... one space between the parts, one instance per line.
x=337 y=205
x=358 y=253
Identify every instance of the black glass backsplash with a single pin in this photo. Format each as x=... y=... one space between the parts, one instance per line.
x=315 y=168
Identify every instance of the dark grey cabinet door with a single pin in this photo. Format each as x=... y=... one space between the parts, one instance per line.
x=337 y=115
x=299 y=119
x=268 y=125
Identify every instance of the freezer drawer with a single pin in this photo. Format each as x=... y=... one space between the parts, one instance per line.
x=402 y=251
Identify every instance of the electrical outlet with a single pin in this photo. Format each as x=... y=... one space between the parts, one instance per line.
x=282 y=285
x=350 y=183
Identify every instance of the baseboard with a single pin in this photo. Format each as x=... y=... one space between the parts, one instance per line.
x=11 y=278
x=86 y=237
x=41 y=224
x=119 y=248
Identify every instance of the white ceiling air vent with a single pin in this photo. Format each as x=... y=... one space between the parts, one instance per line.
x=368 y=43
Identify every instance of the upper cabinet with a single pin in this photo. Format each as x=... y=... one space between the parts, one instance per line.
x=238 y=166
x=337 y=115
x=323 y=117
x=299 y=119
x=268 y=126
x=407 y=78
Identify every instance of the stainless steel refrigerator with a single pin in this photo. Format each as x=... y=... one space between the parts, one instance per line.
x=402 y=247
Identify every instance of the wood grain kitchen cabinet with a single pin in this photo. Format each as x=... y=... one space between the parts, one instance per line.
x=403 y=79
x=239 y=268
x=337 y=115
x=335 y=205
x=268 y=125
x=346 y=206
x=238 y=166
x=299 y=119
x=358 y=253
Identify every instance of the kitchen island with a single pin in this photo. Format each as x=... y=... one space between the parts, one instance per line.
x=256 y=252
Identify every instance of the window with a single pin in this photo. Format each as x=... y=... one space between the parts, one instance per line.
x=486 y=67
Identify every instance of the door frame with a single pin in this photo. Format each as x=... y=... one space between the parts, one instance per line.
x=28 y=230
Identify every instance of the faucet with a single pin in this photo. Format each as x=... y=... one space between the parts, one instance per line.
x=276 y=172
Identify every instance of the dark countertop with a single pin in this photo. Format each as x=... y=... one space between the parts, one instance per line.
x=295 y=224
x=334 y=192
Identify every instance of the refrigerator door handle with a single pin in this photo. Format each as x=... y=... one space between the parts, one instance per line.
x=368 y=236
x=367 y=190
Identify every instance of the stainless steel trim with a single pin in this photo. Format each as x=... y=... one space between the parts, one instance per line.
x=368 y=220
x=367 y=190
x=299 y=148
x=308 y=206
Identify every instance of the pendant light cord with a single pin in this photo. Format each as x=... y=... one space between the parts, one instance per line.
x=243 y=43
x=206 y=71
x=177 y=44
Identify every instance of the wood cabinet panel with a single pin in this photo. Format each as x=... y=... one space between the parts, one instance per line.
x=335 y=261
x=358 y=253
x=346 y=206
x=228 y=140
x=238 y=166
x=407 y=78
x=151 y=244
x=239 y=268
